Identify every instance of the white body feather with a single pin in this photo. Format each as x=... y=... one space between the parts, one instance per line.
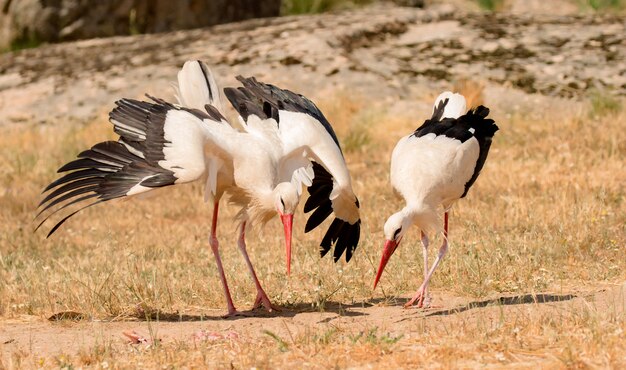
x=431 y=171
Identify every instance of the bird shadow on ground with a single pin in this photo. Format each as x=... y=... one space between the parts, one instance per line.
x=337 y=308
x=288 y=311
x=504 y=301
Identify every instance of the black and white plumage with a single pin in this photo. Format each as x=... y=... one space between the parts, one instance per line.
x=473 y=124
x=310 y=146
x=164 y=144
x=432 y=168
x=134 y=164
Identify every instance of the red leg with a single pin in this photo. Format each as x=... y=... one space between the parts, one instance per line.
x=421 y=294
x=425 y=244
x=261 y=297
x=232 y=311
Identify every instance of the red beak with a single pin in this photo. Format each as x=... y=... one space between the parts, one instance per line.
x=288 y=223
x=390 y=247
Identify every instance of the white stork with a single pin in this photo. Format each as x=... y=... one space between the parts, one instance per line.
x=431 y=169
x=262 y=168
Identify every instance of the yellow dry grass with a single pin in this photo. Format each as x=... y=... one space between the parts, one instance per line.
x=547 y=214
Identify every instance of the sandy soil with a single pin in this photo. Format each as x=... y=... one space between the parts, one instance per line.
x=42 y=337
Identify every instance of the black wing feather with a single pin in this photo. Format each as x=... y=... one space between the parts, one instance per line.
x=109 y=169
x=485 y=129
x=265 y=100
x=74 y=176
x=85 y=163
x=343 y=235
x=318 y=216
x=316 y=198
x=67 y=217
x=473 y=124
x=68 y=187
x=331 y=235
x=74 y=201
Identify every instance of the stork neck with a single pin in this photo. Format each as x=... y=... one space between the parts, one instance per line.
x=261 y=207
x=423 y=216
x=267 y=199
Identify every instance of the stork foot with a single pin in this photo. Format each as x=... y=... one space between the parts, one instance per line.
x=233 y=312
x=263 y=300
x=236 y=313
x=420 y=300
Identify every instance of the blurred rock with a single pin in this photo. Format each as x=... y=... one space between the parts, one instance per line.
x=35 y=21
x=410 y=3
x=553 y=7
x=391 y=55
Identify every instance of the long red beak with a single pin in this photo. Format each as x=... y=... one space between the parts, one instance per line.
x=390 y=247
x=288 y=223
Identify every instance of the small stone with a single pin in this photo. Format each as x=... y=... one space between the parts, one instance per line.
x=490 y=47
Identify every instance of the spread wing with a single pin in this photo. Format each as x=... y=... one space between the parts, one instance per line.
x=160 y=145
x=304 y=132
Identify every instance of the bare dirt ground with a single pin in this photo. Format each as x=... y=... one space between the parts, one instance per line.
x=63 y=336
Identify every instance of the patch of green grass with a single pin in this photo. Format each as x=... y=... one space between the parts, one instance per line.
x=491 y=5
x=291 y=7
x=600 y=5
x=26 y=42
x=133 y=24
x=282 y=345
x=603 y=103
x=374 y=338
x=359 y=137
x=64 y=362
x=356 y=140
x=326 y=337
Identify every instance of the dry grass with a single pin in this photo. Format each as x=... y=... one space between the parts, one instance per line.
x=547 y=214
x=576 y=342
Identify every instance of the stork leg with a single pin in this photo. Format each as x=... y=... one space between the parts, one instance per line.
x=425 y=244
x=261 y=297
x=421 y=294
x=232 y=311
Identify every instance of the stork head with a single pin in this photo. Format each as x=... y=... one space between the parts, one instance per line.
x=286 y=201
x=394 y=229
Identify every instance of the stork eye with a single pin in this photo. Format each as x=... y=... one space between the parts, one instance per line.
x=282 y=202
x=397 y=233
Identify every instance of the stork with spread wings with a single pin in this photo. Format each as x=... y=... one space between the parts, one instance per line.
x=286 y=142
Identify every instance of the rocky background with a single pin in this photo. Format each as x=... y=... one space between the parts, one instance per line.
x=387 y=54
x=35 y=21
